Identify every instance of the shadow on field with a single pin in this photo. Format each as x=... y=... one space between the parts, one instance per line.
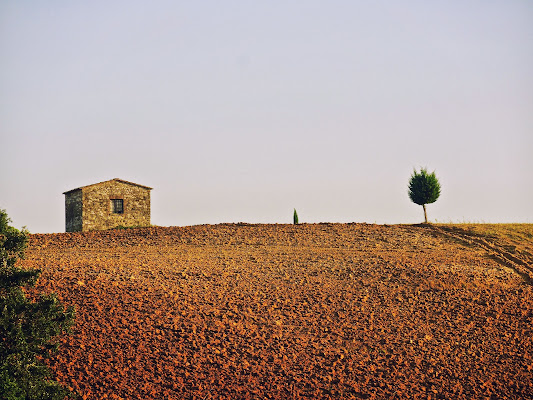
x=496 y=250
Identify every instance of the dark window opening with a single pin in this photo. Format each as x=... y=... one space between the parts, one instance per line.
x=117 y=206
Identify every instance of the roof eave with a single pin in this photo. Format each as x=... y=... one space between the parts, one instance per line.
x=115 y=179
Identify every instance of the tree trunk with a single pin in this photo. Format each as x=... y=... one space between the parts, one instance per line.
x=425 y=214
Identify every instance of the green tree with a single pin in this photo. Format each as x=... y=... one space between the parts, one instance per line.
x=295 y=217
x=28 y=327
x=424 y=188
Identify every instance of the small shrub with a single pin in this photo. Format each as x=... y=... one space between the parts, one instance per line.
x=424 y=188
x=27 y=327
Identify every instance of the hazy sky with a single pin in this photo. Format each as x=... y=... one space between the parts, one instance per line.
x=241 y=111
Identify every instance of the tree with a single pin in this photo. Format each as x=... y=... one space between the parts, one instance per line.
x=424 y=188
x=28 y=327
x=295 y=217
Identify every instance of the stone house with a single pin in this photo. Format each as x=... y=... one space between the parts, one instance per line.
x=107 y=205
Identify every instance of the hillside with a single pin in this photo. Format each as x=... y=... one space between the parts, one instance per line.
x=332 y=311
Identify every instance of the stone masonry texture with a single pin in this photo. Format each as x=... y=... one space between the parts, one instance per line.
x=89 y=208
x=73 y=210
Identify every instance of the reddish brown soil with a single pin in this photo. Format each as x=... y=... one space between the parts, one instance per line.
x=322 y=311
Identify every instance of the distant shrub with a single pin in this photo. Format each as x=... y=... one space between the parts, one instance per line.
x=295 y=217
x=424 y=188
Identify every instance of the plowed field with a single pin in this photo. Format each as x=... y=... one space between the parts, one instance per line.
x=313 y=311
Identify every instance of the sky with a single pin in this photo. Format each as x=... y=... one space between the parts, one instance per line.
x=240 y=111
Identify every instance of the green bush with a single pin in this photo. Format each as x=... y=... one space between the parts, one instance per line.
x=27 y=327
x=424 y=188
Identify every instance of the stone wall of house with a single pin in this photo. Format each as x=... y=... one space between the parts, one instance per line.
x=73 y=211
x=97 y=208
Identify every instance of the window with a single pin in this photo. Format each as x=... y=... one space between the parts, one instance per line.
x=117 y=206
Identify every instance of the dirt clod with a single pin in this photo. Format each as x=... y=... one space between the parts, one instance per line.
x=312 y=311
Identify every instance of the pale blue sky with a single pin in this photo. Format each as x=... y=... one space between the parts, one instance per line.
x=241 y=111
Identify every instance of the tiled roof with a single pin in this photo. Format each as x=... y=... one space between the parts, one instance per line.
x=116 y=179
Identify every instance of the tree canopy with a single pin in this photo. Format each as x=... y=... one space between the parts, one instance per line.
x=424 y=188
